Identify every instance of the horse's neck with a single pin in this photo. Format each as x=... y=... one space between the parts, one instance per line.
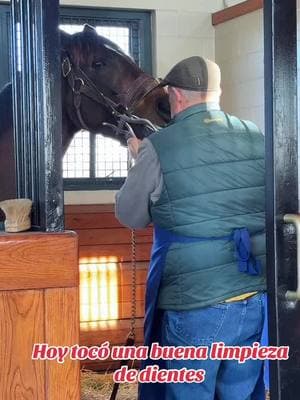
x=6 y=119
x=68 y=131
x=6 y=109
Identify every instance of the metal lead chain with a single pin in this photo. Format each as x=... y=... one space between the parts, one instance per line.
x=131 y=336
x=133 y=289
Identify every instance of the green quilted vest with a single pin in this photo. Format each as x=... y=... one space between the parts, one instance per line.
x=214 y=181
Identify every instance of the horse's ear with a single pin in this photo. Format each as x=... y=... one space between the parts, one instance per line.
x=89 y=28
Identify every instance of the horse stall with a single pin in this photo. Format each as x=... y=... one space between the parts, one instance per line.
x=78 y=276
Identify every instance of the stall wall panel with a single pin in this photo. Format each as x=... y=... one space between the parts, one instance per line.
x=20 y=378
x=62 y=329
x=39 y=303
x=22 y=254
x=102 y=237
x=239 y=53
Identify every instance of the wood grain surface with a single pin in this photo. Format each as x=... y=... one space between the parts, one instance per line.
x=62 y=329
x=38 y=261
x=35 y=260
x=21 y=325
x=238 y=10
x=101 y=235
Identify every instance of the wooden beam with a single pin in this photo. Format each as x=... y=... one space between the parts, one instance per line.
x=116 y=331
x=121 y=251
x=113 y=236
x=236 y=11
x=91 y=220
x=34 y=260
x=89 y=208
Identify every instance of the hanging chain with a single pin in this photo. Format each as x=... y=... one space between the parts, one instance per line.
x=131 y=336
x=133 y=282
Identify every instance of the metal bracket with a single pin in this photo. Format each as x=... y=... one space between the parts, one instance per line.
x=66 y=67
x=294 y=219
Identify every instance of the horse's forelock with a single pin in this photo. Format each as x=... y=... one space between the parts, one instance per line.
x=83 y=46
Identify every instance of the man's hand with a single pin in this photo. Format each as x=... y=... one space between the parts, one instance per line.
x=133 y=144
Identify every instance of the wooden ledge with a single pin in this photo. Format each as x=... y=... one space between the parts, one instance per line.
x=89 y=208
x=236 y=11
x=37 y=260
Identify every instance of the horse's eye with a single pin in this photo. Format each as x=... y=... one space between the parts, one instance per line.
x=98 y=64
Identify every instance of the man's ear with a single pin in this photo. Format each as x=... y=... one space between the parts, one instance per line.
x=177 y=94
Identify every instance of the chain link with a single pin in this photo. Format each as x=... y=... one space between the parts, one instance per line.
x=133 y=283
x=131 y=336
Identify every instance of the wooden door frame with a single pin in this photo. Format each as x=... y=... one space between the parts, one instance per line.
x=280 y=42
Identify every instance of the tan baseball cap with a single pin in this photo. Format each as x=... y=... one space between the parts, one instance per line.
x=194 y=73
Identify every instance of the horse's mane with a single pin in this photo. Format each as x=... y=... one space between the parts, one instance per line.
x=113 y=46
x=6 y=108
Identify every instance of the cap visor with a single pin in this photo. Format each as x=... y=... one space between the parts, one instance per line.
x=163 y=83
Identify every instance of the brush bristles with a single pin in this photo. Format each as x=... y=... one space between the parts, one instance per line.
x=17 y=213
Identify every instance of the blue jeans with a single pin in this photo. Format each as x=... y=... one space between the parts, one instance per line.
x=236 y=324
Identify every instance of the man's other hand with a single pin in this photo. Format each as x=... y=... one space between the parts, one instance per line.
x=133 y=144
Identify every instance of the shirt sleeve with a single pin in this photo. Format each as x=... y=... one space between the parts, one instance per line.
x=143 y=185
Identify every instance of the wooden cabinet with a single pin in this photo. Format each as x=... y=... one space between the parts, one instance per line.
x=39 y=303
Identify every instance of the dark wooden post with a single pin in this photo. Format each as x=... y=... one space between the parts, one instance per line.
x=37 y=109
x=280 y=27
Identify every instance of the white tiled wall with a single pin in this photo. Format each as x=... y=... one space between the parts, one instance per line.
x=239 y=52
x=229 y=3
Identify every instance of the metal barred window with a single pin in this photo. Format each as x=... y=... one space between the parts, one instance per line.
x=92 y=161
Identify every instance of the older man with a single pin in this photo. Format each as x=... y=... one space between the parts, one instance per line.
x=200 y=181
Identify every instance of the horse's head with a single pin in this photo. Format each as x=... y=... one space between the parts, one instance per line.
x=98 y=75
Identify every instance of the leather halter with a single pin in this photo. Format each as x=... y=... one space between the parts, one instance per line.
x=81 y=84
x=138 y=90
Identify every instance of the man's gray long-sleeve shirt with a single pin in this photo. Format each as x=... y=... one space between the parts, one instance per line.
x=143 y=185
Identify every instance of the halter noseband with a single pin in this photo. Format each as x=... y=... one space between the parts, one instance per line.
x=81 y=84
x=138 y=90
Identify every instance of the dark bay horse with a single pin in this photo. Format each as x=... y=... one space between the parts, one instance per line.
x=98 y=78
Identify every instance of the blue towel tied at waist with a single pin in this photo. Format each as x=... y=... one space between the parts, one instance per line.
x=246 y=261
